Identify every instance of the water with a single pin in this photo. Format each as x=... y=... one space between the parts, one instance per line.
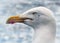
x=13 y=7
x=16 y=33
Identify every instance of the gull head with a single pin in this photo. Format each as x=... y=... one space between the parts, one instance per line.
x=34 y=17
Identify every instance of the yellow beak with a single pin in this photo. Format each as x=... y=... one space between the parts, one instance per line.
x=14 y=19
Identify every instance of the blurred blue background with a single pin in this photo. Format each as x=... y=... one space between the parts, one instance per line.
x=13 y=7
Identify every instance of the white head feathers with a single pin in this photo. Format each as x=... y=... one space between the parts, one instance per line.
x=44 y=24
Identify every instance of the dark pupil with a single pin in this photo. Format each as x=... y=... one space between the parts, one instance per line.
x=34 y=12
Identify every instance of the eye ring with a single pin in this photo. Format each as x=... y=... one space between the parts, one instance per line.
x=34 y=13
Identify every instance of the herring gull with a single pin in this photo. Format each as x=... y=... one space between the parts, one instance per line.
x=43 y=22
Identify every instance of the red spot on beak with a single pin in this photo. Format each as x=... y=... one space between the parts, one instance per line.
x=11 y=21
